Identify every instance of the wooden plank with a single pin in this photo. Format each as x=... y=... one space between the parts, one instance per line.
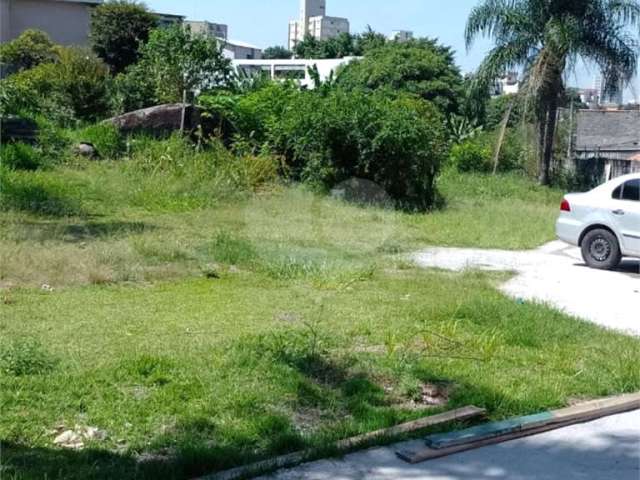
x=495 y=429
x=297 y=458
x=581 y=413
x=460 y=414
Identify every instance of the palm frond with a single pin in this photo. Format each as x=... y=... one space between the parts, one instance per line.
x=486 y=18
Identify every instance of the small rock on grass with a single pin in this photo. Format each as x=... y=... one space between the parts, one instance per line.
x=74 y=439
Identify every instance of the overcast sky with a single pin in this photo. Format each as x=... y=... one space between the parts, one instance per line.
x=264 y=22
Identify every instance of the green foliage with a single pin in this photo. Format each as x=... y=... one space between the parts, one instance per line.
x=329 y=136
x=497 y=108
x=476 y=154
x=24 y=356
x=105 y=137
x=396 y=143
x=30 y=49
x=343 y=45
x=420 y=67
x=174 y=60
x=49 y=148
x=19 y=156
x=118 y=28
x=253 y=114
x=131 y=91
x=75 y=86
x=276 y=53
x=472 y=155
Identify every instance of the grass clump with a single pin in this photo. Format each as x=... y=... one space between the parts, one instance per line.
x=19 y=156
x=106 y=139
x=24 y=356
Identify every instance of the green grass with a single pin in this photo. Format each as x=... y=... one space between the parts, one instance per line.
x=105 y=223
x=204 y=328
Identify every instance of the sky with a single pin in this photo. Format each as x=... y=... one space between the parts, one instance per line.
x=264 y=23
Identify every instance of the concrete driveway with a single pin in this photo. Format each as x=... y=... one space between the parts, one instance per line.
x=604 y=449
x=555 y=274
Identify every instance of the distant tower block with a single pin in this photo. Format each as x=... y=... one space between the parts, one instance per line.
x=314 y=21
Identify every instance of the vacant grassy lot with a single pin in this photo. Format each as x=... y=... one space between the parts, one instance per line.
x=203 y=331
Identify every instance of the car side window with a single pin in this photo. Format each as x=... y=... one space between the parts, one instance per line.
x=617 y=193
x=631 y=190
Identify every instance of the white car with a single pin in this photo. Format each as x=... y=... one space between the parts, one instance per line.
x=604 y=223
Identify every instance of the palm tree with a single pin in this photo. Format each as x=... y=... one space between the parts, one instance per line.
x=546 y=38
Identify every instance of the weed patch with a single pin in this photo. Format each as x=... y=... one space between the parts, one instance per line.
x=25 y=356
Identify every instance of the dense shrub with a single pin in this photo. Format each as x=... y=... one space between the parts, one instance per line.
x=331 y=136
x=50 y=147
x=476 y=154
x=254 y=114
x=74 y=86
x=118 y=28
x=30 y=49
x=396 y=143
x=421 y=67
x=473 y=155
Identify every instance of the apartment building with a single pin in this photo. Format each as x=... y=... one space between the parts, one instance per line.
x=216 y=30
x=65 y=21
x=401 y=36
x=315 y=22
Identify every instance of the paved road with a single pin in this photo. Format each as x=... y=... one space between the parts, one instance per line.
x=555 y=274
x=607 y=449
x=601 y=450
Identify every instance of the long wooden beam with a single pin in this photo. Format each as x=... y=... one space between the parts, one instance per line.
x=498 y=432
x=293 y=459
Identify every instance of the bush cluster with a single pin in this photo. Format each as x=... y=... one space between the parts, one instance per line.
x=397 y=142
x=476 y=154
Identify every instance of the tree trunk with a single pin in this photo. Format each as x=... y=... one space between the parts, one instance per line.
x=551 y=119
x=542 y=137
x=503 y=131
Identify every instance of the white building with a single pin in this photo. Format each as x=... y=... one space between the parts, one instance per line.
x=314 y=21
x=296 y=69
x=216 y=30
x=506 y=85
x=236 y=50
x=401 y=36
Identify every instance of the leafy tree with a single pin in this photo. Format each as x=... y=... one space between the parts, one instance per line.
x=118 y=27
x=343 y=45
x=30 y=49
x=276 y=53
x=545 y=38
x=175 y=60
x=420 y=67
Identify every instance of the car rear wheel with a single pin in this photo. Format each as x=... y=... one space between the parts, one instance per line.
x=600 y=249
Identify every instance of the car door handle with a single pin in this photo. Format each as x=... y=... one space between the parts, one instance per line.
x=618 y=212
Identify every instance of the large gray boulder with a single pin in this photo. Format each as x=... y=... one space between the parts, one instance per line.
x=158 y=120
